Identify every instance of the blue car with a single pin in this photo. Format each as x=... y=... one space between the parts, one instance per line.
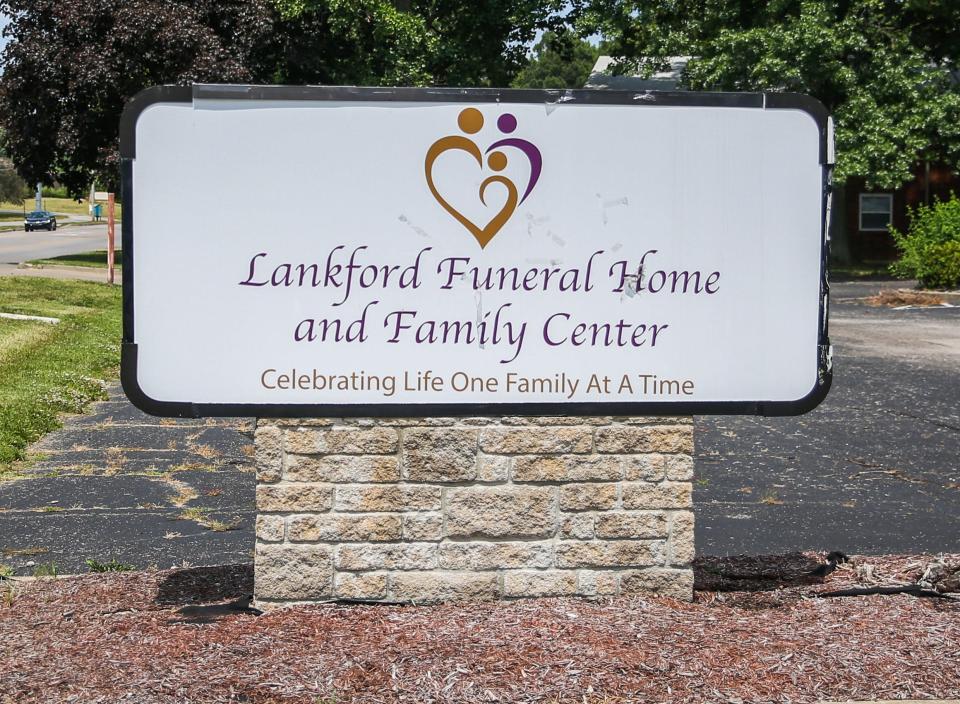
x=40 y=220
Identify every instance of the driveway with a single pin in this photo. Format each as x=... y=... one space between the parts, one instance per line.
x=874 y=469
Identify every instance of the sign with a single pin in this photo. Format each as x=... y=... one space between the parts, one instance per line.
x=373 y=251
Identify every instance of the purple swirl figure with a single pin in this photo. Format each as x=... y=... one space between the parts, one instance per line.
x=507 y=123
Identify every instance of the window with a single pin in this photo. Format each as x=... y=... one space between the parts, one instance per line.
x=876 y=210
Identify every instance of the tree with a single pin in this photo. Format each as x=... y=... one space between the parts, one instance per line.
x=71 y=66
x=484 y=43
x=12 y=187
x=410 y=42
x=560 y=60
x=881 y=67
x=350 y=42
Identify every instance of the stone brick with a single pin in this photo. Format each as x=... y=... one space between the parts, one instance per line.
x=268 y=445
x=294 y=497
x=663 y=495
x=501 y=511
x=648 y=524
x=493 y=468
x=341 y=441
x=492 y=556
x=293 y=572
x=353 y=528
x=556 y=420
x=444 y=586
x=365 y=585
x=681 y=545
x=343 y=469
x=648 y=438
x=308 y=422
x=397 y=497
x=659 y=581
x=566 y=468
x=656 y=420
x=576 y=526
x=423 y=526
x=539 y=583
x=603 y=583
x=679 y=468
x=403 y=556
x=587 y=497
x=616 y=553
x=536 y=440
x=442 y=509
x=644 y=468
x=270 y=528
x=440 y=454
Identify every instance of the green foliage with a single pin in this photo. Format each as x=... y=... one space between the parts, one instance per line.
x=112 y=566
x=54 y=192
x=879 y=66
x=930 y=249
x=350 y=42
x=560 y=60
x=416 y=42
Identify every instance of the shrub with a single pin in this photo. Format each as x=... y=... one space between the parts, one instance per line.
x=930 y=249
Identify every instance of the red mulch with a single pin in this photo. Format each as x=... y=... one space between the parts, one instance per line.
x=127 y=638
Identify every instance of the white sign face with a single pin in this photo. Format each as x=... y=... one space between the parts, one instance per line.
x=412 y=252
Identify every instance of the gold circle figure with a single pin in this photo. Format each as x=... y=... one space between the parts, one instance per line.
x=470 y=120
x=497 y=161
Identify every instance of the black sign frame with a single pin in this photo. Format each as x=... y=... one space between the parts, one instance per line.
x=187 y=94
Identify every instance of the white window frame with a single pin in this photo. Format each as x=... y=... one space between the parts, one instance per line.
x=889 y=197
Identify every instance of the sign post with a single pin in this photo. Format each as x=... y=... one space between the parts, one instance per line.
x=111 y=248
x=475 y=348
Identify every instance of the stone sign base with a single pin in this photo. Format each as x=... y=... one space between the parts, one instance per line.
x=441 y=509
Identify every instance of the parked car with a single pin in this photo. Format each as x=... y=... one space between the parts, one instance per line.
x=40 y=220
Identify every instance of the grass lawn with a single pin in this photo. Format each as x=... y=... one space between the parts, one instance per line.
x=59 y=205
x=92 y=259
x=45 y=369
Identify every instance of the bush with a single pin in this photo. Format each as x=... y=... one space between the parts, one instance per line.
x=54 y=192
x=930 y=250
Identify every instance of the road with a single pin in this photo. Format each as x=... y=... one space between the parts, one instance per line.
x=19 y=246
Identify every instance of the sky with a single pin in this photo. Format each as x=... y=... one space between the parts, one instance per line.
x=4 y=21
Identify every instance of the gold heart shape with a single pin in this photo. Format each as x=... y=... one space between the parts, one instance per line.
x=485 y=234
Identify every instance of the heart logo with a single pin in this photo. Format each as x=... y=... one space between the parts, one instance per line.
x=470 y=121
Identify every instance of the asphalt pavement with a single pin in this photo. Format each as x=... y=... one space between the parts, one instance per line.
x=874 y=469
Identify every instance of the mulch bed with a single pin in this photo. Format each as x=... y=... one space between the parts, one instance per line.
x=153 y=637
